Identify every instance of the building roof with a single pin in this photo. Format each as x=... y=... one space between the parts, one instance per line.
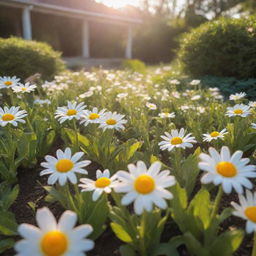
x=77 y=8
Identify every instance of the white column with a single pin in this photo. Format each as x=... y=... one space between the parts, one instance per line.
x=26 y=23
x=85 y=39
x=128 y=51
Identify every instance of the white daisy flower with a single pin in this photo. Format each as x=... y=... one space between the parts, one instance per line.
x=238 y=110
x=64 y=167
x=86 y=95
x=229 y=171
x=52 y=238
x=196 y=97
x=103 y=183
x=42 y=102
x=247 y=210
x=93 y=116
x=237 y=96
x=145 y=187
x=252 y=104
x=174 y=82
x=112 y=121
x=23 y=88
x=8 y=82
x=253 y=125
x=195 y=82
x=69 y=112
x=151 y=106
x=214 y=135
x=176 y=139
x=166 y=115
x=12 y=116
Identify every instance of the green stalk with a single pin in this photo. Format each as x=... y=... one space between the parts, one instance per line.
x=76 y=136
x=143 y=249
x=254 y=245
x=217 y=203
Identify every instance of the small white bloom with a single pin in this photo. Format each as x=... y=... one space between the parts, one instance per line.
x=8 y=82
x=238 y=110
x=86 y=94
x=196 y=97
x=229 y=171
x=166 y=115
x=195 y=82
x=253 y=125
x=237 y=96
x=112 y=121
x=214 y=135
x=42 y=102
x=174 y=82
x=52 y=238
x=145 y=186
x=252 y=104
x=12 y=116
x=176 y=139
x=151 y=106
x=89 y=117
x=103 y=183
x=69 y=112
x=23 y=88
x=64 y=167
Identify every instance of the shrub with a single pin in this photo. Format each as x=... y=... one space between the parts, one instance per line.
x=134 y=65
x=226 y=47
x=231 y=85
x=23 y=58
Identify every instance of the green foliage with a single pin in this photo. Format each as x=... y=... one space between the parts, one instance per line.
x=226 y=47
x=134 y=65
x=88 y=211
x=231 y=85
x=200 y=224
x=23 y=58
x=8 y=225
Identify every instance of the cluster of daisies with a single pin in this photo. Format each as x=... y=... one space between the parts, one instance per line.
x=77 y=111
x=14 y=84
x=143 y=186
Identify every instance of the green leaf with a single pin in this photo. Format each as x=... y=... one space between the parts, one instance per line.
x=120 y=232
x=127 y=250
x=166 y=249
x=227 y=243
x=6 y=244
x=8 y=225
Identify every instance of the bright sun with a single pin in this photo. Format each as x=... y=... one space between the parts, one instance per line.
x=120 y=3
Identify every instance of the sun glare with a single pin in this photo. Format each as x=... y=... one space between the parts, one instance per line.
x=119 y=3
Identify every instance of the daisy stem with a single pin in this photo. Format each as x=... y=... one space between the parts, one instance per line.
x=217 y=203
x=254 y=245
x=143 y=250
x=76 y=136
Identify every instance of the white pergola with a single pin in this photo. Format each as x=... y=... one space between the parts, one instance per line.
x=29 y=6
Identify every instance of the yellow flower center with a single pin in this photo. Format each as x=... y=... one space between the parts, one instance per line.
x=23 y=88
x=144 y=184
x=93 y=116
x=238 y=111
x=54 y=243
x=215 y=134
x=8 y=83
x=8 y=117
x=71 y=112
x=226 y=169
x=176 y=140
x=250 y=213
x=64 y=165
x=102 y=182
x=111 y=121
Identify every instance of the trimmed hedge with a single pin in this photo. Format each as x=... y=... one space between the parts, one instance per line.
x=134 y=65
x=224 y=48
x=23 y=58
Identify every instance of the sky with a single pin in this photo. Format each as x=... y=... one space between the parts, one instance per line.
x=123 y=3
